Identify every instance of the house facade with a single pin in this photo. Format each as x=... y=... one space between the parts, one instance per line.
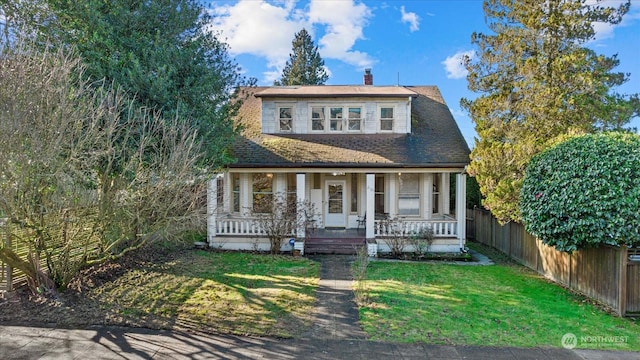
x=360 y=154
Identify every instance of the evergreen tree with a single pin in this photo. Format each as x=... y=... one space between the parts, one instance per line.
x=305 y=66
x=537 y=82
x=162 y=53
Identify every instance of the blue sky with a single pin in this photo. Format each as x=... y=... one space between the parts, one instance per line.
x=404 y=42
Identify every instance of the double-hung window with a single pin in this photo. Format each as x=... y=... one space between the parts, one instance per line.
x=355 y=119
x=335 y=119
x=379 y=195
x=409 y=195
x=386 y=118
x=235 y=190
x=436 y=193
x=262 y=193
x=317 y=119
x=285 y=117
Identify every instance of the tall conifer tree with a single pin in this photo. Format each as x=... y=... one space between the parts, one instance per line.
x=161 y=52
x=305 y=66
x=537 y=81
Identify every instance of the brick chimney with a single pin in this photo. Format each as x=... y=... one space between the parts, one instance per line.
x=368 y=77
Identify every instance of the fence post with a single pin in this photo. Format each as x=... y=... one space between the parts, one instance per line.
x=622 y=280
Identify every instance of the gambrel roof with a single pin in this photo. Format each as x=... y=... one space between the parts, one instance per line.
x=435 y=139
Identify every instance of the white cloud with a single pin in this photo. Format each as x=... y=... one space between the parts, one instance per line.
x=344 y=22
x=266 y=28
x=605 y=30
x=259 y=28
x=412 y=18
x=454 y=64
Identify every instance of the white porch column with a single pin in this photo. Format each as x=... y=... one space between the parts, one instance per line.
x=461 y=207
x=227 y=189
x=246 y=193
x=279 y=184
x=370 y=205
x=301 y=196
x=212 y=205
x=428 y=196
x=445 y=188
x=393 y=195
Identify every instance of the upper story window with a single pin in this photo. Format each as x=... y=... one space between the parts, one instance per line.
x=355 y=118
x=285 y=118
x=386 y=118
x=336 y=118
x=335 y=121
x=317 y=118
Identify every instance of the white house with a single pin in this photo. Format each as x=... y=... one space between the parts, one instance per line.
x=360 y=154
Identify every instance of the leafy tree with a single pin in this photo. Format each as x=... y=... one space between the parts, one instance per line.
x=536 y=81
x=305 y=66
x=162 y=53
x=474 y=197
x=20 y=19
x=61 y=139
x=585 y=192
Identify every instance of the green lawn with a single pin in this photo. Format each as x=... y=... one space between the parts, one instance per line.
x=498 y=305
x=235 y=293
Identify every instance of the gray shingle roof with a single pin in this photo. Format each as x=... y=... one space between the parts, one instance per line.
x=435 y=140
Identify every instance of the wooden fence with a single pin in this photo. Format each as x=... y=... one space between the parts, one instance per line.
x=11 y=278
x=608 y=274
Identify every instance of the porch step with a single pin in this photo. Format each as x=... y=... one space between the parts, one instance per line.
x=333 y=246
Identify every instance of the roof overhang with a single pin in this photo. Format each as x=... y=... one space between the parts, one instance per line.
x=329 y=91
x=351 y=167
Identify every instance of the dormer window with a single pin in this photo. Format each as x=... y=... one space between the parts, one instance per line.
x=336 y=118
x=355 y=118
x=285 y=118
x=386 y=118
x=335 y=121
x=317 y=118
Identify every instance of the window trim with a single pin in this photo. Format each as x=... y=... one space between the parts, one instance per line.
x=236 y=205
x=324 y=119
x=279 y=119
x=412 y=194
x=267 y=192
x=344 y=124
x=349 y=119
x=338 y=120
x=380 y=118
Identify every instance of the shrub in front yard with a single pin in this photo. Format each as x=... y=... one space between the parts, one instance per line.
x=585 y=192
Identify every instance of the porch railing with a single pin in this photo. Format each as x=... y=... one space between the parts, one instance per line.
x=244 y=226
x=440 y=228
x=250 y=227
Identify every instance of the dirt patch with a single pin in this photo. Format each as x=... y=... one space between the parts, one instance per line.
x=76 y=306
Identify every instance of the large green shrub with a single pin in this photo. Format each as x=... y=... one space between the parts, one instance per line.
x=585 y=192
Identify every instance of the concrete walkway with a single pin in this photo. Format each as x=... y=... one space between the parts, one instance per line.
x=335 y=334
x=337 y=315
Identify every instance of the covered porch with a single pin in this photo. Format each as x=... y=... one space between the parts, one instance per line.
x=342 y=200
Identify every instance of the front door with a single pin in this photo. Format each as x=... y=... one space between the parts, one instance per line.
x=335 y=200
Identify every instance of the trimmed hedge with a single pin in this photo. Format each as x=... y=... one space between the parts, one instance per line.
x=585 y=192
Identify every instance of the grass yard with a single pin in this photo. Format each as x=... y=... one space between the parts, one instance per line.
x=497 y=305
x=233 y=293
